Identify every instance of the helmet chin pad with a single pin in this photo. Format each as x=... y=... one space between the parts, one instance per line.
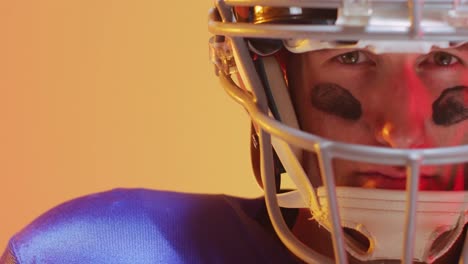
x=373 y=220
x=379 y=215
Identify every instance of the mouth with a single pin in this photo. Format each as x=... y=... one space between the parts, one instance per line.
x=394 y=180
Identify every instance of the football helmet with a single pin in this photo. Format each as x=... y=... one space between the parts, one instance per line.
x=251 y=37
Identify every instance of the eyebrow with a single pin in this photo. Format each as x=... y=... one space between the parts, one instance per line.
x=337 y=51
x=462 y=47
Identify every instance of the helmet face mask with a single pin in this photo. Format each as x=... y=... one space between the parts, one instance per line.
x=364 y=107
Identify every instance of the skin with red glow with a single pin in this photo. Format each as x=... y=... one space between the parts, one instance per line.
x=396 y=92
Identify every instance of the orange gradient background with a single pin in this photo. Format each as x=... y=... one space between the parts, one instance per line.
x=96 y=95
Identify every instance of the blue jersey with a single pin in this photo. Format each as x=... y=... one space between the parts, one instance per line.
x=146 y=226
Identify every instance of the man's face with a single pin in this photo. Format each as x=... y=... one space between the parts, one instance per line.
x=389 y=100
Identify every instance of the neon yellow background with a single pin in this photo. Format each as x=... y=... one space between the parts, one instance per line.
x=96 y=95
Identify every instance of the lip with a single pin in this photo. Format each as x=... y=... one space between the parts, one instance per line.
x=396 y=172
x=394 y=178
x=393 y=175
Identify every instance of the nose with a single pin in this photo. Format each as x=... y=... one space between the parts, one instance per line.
x=392 y=134
x=404 y=110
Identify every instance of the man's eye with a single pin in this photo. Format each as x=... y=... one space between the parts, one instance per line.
x=353 y=57
x=441 y=58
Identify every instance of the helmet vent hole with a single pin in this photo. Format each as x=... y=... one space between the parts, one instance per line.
x=357 y=241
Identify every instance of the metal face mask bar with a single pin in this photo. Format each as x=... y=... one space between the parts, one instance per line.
x=435 y=20
x=357 y=20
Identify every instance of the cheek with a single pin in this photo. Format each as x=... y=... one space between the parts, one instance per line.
x=327 y=110
x=454 y=135
x=335 y=128
x=336 y=100
x=451 y=107
x=342 y=170
x=442 y=78
x=450 y=111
